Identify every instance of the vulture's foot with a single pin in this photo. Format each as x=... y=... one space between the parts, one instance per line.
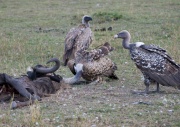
x=95 y=82
x=144 y=92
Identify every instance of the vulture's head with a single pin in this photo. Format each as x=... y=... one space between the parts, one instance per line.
x=124 y=34
x=86 y=19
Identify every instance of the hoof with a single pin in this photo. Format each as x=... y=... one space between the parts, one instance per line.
x=13 y=105
x=36 y=97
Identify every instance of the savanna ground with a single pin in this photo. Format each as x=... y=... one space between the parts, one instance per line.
x=33 y=31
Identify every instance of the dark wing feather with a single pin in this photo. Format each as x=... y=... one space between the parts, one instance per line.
x=160 y=51
x=166 y=80
x=157 y=64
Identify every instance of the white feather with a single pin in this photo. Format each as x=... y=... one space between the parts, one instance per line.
x=139 y=44
x=78 y=67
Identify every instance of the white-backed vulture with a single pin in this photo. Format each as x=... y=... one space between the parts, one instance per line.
x=77 y=38
x=40 y=81
x=94 y=63
x=154 y=63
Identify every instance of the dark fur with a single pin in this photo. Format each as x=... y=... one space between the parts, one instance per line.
x=27 y=89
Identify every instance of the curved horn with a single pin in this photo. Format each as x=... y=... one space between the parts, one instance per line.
x=49 y=70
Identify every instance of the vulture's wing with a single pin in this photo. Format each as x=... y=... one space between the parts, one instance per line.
x=85 y=56
x=71 y=43
x=84 y=39
x=157 y=64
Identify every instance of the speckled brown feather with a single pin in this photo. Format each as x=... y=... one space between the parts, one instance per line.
x=95 y=63
x=85 y=56
x=97 y=68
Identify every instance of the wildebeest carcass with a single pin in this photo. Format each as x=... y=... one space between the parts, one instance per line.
x=39 y=82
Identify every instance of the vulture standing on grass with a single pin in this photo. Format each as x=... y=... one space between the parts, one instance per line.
x=154 y=63
x=94 y=64
x=77 y=38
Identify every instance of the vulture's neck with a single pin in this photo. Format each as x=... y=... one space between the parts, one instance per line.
x=126 y=43
x=86 y=23
x=73 y=79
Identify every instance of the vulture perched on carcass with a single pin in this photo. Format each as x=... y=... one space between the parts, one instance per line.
x=94 y=64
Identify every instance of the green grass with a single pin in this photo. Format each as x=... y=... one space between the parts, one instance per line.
x=33 y=31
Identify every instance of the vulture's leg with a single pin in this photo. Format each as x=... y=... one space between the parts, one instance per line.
x=146 y=83
x=157 y=89
x=96 y=81
x=16 y=84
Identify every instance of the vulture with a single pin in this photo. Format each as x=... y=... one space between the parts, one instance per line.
x=154 y=63
x=77 y=38
x=94 y=64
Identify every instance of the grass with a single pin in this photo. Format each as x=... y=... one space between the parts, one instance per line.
x=33 y=31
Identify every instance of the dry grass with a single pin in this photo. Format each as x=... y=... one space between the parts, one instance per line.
x=111 y=103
